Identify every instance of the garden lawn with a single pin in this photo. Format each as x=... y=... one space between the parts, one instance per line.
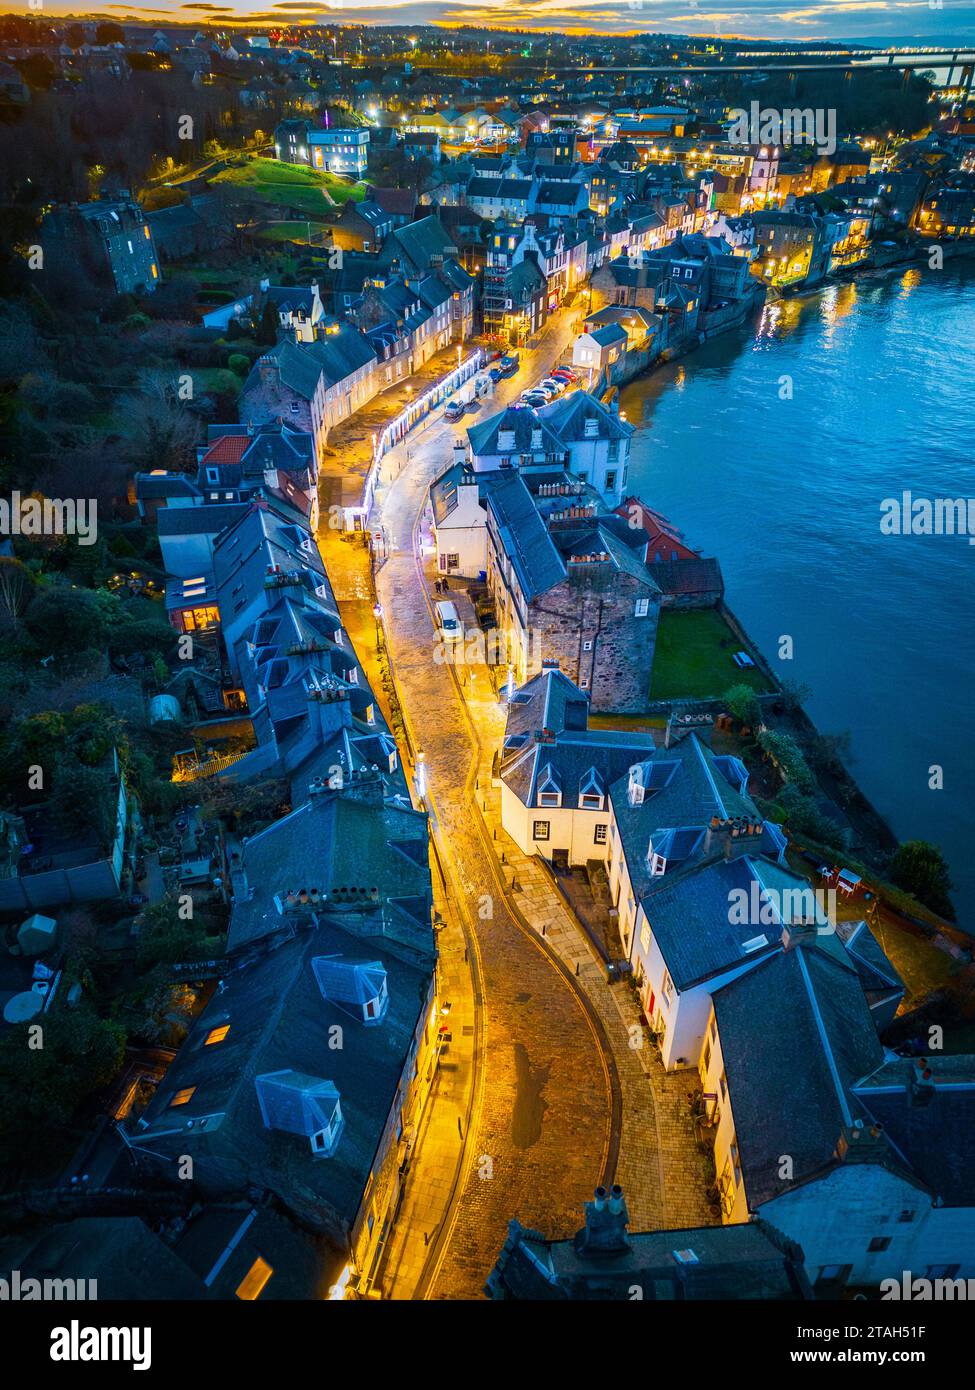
x=693 y=657
x=289 y=231
x=290 y=185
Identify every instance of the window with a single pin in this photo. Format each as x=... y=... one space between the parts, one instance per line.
x=254 y=1280
x=906 y=1216
x=645 y=938
x=941 y=1271
x=591 y=801
x=611 y=478
x=666 y=986
x=217 y=1035
x=541 y=829
x=587 y=646
x=642 y=607
x=599 y=834
x=550 y=798
x=723 y=1086
x=182 y=1097
x=878 y=1243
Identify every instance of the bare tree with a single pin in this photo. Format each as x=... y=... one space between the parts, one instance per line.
x=16 y=589
x=158 y=430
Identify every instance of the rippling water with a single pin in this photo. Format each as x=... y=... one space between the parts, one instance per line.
x=787 y=494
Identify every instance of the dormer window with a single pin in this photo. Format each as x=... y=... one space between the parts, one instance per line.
x=590 y=801
x=549 y=790
x=357 y=987
x=635 y=788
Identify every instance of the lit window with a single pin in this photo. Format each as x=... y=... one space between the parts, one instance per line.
x=217 y=1035
x=182 y=1097
x=254 y=1280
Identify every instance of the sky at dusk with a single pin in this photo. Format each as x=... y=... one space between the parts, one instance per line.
x=937 y=21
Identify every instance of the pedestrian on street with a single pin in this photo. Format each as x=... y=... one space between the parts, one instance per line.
x=446 y=586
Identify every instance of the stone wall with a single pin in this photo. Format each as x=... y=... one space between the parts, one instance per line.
x=597 y=604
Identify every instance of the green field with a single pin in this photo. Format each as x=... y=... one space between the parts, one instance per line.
x=290 y=185
x=290 y=231
x=693 y=658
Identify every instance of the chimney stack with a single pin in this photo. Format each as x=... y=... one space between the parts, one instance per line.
x=605 y=1230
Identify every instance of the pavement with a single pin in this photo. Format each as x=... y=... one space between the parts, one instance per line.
x=347 y=456
x=543 y=1093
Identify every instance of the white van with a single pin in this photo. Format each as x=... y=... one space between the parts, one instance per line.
x=450 y=629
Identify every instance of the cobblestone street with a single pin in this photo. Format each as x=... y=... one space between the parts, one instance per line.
x=548 y=1064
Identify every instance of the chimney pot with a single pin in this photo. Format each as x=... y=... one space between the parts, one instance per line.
x=600 y=1198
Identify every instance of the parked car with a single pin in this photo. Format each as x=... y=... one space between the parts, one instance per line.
x=536 y=399
x=496 y=374
x=550 y=384
x=509 y=363
x=449 y=625
x=455 y=409
x=564 y=374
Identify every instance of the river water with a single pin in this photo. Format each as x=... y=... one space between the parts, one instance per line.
x=787 y=493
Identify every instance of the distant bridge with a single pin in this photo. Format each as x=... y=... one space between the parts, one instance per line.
x=907 y=60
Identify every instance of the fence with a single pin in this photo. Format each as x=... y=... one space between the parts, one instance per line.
x=416 y=411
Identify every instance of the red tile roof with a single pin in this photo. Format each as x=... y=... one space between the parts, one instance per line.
x=230 y=449
x=664 y=538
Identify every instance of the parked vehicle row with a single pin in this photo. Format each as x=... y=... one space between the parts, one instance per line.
x=548 y=389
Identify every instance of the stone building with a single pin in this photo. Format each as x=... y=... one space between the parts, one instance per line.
x=570 y=585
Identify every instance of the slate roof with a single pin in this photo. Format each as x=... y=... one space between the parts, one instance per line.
x=525 y=538
x=796 y=1034
x=417 y=246
x=871 y=962
x=302 y=365
x=609 y=335
x=522 y=421
x=745 y=1261
x=929 y=1122
x=208 y=519
x=687 y=784
x=573 y=758
x=278 y=1019
x=684 y=576
x=567 y=415
x=260 y=540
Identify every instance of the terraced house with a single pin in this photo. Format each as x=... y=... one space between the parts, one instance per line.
x=302 y=1084
x=312 y=384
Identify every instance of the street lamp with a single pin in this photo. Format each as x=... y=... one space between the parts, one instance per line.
x=377 y=613
x=421 y=775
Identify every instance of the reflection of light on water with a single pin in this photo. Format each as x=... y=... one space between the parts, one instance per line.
x=769 y=322
x=836 y=304
x=778 y=318
x=909 y=282
x=680 y=378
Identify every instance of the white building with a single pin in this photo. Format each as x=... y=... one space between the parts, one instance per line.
x=556 y=772
x=459 y=526
x=861 y=1157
